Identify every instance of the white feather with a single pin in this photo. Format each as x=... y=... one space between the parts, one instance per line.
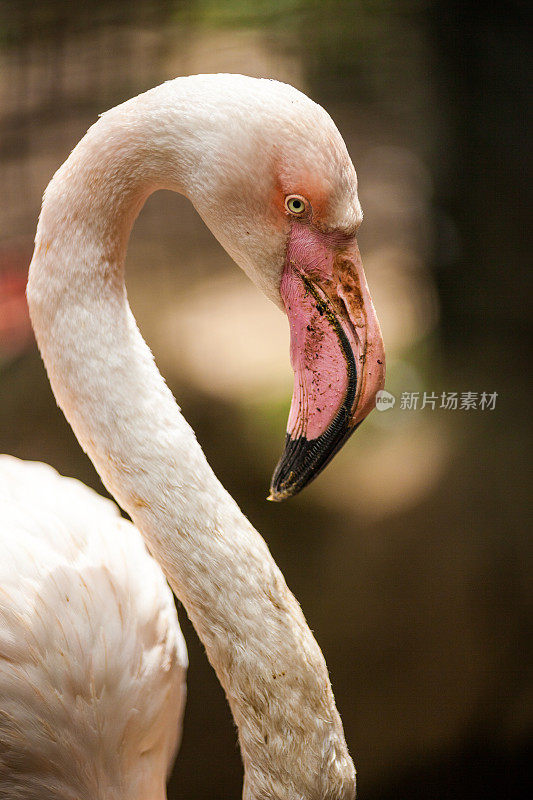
x=92 y=660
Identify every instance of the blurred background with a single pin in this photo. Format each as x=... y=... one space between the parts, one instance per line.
x=409 y=554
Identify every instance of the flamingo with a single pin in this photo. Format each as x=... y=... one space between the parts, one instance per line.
x=269 y=173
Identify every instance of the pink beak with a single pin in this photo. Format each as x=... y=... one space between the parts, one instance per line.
x=337 y=353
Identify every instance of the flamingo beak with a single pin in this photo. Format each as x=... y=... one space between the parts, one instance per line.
x=336 y=352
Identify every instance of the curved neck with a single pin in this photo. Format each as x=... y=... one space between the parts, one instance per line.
x=126 y=419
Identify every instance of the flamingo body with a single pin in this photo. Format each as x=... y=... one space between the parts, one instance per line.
x=92 y=659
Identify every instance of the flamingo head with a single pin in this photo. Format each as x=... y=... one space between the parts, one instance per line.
x=280 y=194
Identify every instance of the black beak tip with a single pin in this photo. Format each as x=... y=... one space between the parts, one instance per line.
x=294 y=469
x=277 y=497
x=279 y=493
x=303 y=459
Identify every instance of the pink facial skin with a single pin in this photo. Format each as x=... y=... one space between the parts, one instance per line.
x=334 y=329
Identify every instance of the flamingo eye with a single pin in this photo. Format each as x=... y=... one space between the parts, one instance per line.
x=296 y=204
